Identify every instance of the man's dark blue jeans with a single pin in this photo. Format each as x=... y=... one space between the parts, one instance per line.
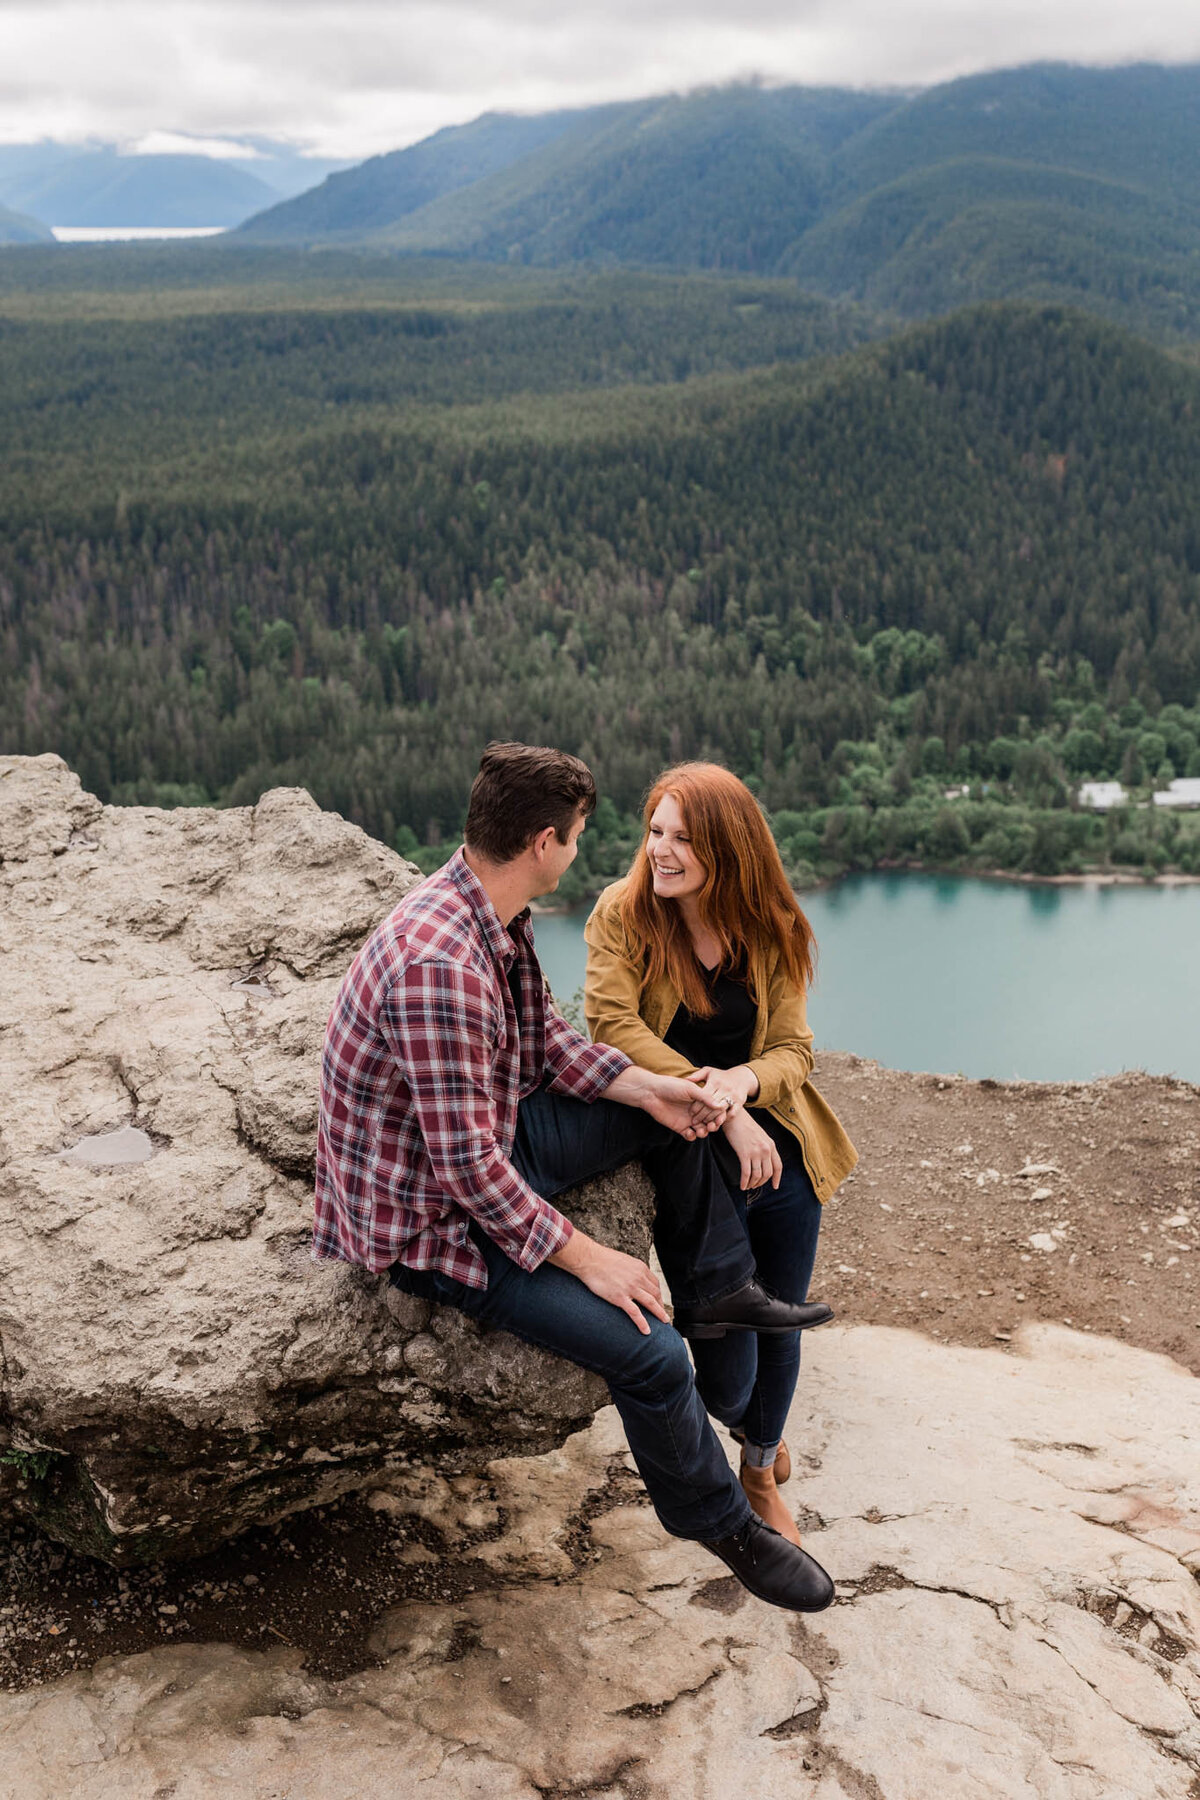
x=561 y=1141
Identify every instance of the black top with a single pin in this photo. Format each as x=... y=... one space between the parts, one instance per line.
x=724 y=1038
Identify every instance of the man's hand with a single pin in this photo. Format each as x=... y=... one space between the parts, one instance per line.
x=622 y=1280
x=673 y=1100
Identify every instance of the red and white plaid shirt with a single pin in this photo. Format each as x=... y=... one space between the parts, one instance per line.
x=422 y=1072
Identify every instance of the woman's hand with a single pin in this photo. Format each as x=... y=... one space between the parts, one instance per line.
x=756 y=1151
x=725 y=1090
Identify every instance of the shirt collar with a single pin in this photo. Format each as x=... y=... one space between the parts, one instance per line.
x=498 y=940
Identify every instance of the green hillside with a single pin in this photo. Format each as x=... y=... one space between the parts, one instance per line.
x=374 y=194
x=1137 y=125
x=601 y=183
x=725 y=179
x=1050 y=183
x=345 y=548
x=980 y=229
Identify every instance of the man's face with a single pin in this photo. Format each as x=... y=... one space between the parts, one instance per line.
x=557 y=857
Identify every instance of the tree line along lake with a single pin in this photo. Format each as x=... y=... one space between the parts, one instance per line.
x=1037 y=981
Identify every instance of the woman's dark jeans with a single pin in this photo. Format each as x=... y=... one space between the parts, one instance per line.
x=561 y=1141
x=700 y=1218
x=745 y=1380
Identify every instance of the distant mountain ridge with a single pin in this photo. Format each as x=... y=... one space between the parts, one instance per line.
x=373 y=195
x=1049 y=182
x=724 y=179
x=100 y=185
x=19 y=228
x=549 y=175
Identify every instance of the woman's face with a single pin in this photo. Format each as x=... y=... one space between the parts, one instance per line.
x=675 y=866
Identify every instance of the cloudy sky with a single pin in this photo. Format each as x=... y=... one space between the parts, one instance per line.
x=360 y=76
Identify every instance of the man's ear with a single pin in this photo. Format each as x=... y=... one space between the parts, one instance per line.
x=540 y=842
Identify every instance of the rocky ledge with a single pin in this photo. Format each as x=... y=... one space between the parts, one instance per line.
x=173 y=1366
x=1015 y=1535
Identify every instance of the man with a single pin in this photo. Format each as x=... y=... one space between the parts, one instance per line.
x=455 y=1102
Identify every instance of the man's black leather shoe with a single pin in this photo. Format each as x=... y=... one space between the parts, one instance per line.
x=778 y=1572
x=749 y=1308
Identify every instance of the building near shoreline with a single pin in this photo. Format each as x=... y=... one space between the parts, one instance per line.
x=1184 y=792
x=1101 y=796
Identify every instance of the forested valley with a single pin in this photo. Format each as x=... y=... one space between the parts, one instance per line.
x=274 y=519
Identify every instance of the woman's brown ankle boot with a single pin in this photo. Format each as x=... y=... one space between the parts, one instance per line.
x=783 y=1460
x=763 y=1495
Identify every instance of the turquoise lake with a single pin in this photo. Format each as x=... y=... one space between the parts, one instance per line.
x=998 y=978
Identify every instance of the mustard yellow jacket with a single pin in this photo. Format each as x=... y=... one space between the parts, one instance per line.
x=623 y=1010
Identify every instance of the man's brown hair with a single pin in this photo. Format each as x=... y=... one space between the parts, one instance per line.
x=520 y=790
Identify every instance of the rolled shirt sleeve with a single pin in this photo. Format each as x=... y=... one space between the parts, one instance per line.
x=575 y=1065
x=439 y=1023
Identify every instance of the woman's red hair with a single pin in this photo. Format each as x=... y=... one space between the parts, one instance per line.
x=745 y=902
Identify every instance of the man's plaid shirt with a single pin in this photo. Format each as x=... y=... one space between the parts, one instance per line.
x=420 y=1080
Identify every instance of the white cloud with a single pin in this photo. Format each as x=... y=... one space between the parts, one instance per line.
x=182 y=143
x=350 y=79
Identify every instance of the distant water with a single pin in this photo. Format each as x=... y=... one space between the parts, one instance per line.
x=989 y=978
x=123 y=234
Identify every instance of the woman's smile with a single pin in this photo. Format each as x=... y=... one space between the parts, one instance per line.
x=676 y=868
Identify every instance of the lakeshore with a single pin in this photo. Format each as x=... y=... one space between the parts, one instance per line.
x=1079 y=878
x=1004 y=979
x=1169 y=878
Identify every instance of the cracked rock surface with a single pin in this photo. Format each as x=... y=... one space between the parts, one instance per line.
x=173 y=1367
x=1016 y=1540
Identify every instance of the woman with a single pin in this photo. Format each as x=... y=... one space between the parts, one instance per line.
x=698 y=963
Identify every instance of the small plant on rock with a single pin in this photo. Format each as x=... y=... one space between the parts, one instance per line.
x=31 y=1465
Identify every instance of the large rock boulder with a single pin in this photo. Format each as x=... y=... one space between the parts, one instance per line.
x=173 y=1366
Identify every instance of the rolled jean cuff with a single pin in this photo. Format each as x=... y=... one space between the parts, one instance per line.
x=759 y=1456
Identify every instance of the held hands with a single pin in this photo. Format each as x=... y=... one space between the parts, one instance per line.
x=671 y=1099
x=693 y=1105
x=622 y=1280
x=726 y=1091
